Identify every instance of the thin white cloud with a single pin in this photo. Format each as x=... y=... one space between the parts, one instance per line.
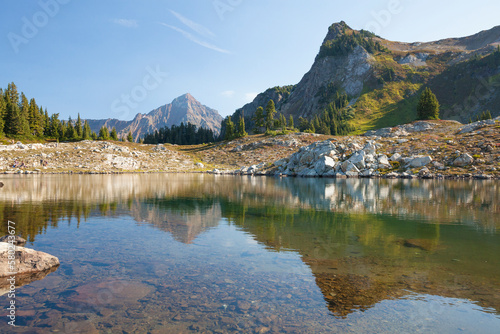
x=126 y=23
x=249 y=97
x=196 y=27
x=228 y=93
x=194 y=39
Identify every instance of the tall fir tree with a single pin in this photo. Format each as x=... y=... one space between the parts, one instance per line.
x=428 y=106
x=78 y=127
x=2 y=112
x=290 y=122
x=130 y=139
x=270 y=111
x=113 y=135
x=258 y=119
x=229 y=129
x=103 y=133
x=86 y=132
x=24 y=116
x=240 y=129
x=70 y=133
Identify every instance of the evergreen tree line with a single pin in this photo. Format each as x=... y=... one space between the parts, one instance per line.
x=332 y=121
x=21 y=118
x=232 y=130
x=181 y=134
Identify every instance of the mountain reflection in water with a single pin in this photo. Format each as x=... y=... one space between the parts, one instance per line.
x=365 y=241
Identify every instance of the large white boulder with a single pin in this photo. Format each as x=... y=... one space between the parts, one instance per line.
x=324 y=164
x=418 y=161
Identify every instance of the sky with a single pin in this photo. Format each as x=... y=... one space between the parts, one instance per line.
x=117 y=58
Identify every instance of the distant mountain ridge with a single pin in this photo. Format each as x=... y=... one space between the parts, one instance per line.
x=383 y=79
x=183 y=109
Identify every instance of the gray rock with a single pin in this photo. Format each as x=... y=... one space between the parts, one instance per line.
x=358 y=159
x=281 y=162
x=383 y=161
x=27 y=260
x=348 y=166
x=308 y=172
x=418 y=161
x=367 y=173
x=370 y=148
x=396 y=157
x=476 y=125
x=463 y=160
x=324 y=164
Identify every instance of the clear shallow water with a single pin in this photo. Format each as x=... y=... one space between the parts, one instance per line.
x=197 y=253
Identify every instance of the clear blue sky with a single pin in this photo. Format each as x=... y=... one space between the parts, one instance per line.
x=116 y=58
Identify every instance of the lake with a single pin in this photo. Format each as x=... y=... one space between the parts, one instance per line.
x=195 y=253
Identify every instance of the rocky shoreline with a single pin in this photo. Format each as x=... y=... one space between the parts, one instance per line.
x=422 y=149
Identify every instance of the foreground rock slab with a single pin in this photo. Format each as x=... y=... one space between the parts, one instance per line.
x=26 y=260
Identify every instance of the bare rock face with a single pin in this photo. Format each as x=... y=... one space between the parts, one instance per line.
x=26 y=261
x=348 y=72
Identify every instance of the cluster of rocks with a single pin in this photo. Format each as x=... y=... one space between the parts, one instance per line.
x=21 y=146
x=287 y=142
x=337 y=159
x=477 y=125
x=401 y=130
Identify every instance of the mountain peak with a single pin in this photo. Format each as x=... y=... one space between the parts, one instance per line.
x=336 y=30
x=184 y=98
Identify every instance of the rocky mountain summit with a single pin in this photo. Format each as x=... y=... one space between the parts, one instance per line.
x=382 y=79
x=185 y=109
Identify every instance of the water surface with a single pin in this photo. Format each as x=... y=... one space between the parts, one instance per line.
x=221 y=254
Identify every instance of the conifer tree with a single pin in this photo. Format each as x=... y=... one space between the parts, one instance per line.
x=46 y=117
x=12 y=117
x=2 y=112
x=114 y=134
x=240 y=129
x=258 y=119
x=24 y=116
x=70 y=133
x=290 y=122
x=86 y=132
x=270 y=111
x=229 y=129
x=130 y=138
x=78 y=127
x=103 y=133
x=282 y=122
x=428 y=106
